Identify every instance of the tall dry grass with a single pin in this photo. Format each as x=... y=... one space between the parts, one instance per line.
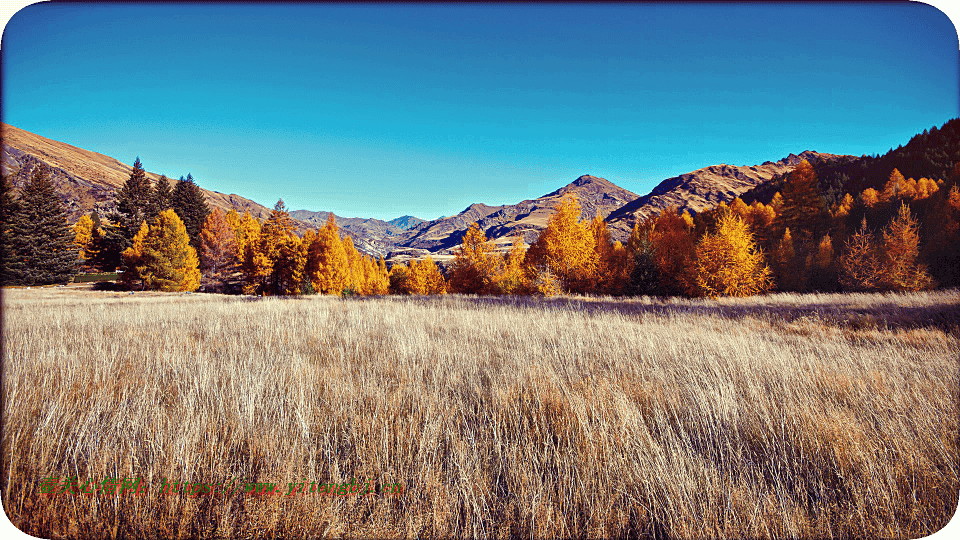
x=782 y=416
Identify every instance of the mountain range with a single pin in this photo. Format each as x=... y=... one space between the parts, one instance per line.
x=87 y=180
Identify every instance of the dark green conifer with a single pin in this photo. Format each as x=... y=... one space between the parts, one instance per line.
x=135 y=203
x=162 y=195
x=43 y=251
x=8 y=208
x=190 y=204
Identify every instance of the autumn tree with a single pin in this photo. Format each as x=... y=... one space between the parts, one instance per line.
x=475 y=267
x=356 y=280
x=400 y=279
x=277 y=262
x=565 y=249
x=85 y=236
x=328 y=267
x=160 y=256
x=899 y=251
x=860 y=267
x=512 y=279
x=41 y=242
x=380 y=283
x=869 y=197
x=425 y=277
x=804 y=209
x=789 y=275
x=674 y=252
x=823 y=275
x=218 y=249
x=190 y=204
x=729 y=262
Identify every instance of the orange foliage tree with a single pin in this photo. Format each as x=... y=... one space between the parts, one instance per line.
x=729 y=262
x=218 y=248
x=900 y=249
x=860 y=267
x=475 y=267
x=674 y=250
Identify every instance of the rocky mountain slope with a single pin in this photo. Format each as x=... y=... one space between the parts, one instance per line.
x=597 y=196
x=704 y=188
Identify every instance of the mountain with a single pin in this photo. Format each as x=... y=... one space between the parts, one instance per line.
x=372 y=236
x=705 y=188
x=87 y=180
x=597 y=196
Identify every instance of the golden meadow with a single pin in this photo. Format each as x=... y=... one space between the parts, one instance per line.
x=788 y=416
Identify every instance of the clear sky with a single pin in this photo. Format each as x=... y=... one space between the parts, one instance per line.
x=385 y=110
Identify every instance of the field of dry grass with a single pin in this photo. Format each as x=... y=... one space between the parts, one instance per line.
x=786 y=416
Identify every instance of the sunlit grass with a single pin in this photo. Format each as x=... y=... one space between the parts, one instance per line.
x=777 y=416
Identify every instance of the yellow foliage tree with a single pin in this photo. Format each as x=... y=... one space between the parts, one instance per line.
x=565 y=249
x=729 y=262
x=161 y=256
x=356 y=282
x=513 y=278
x=425 y=277
x=84 y=234
x=327 y=264
x=475 y=267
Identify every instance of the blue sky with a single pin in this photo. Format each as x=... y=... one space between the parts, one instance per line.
x=385 y=110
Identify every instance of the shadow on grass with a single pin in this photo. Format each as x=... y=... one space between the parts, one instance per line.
x=939 y=309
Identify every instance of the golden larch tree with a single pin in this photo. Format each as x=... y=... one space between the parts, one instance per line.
x=327 y=263
x=425 y=277
x=162 y=257
x=674 y=248
x=513 y=278
x=860 y=267
x=218 y=248
x=729 y=263
x=475 y=267
x=900 y=249
x=565 y=249
x=84 y=233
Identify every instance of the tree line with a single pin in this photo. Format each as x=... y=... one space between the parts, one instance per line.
x=902 y=236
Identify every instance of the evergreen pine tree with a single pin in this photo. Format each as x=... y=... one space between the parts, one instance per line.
x=42 y=241
x=190 y=204
x=162 y=195
x=8 y=209
x=134 y=206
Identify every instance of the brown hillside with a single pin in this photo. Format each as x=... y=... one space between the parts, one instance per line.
x=86 y=180
x=705 y=188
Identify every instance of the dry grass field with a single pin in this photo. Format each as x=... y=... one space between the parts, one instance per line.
x=787 y=416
